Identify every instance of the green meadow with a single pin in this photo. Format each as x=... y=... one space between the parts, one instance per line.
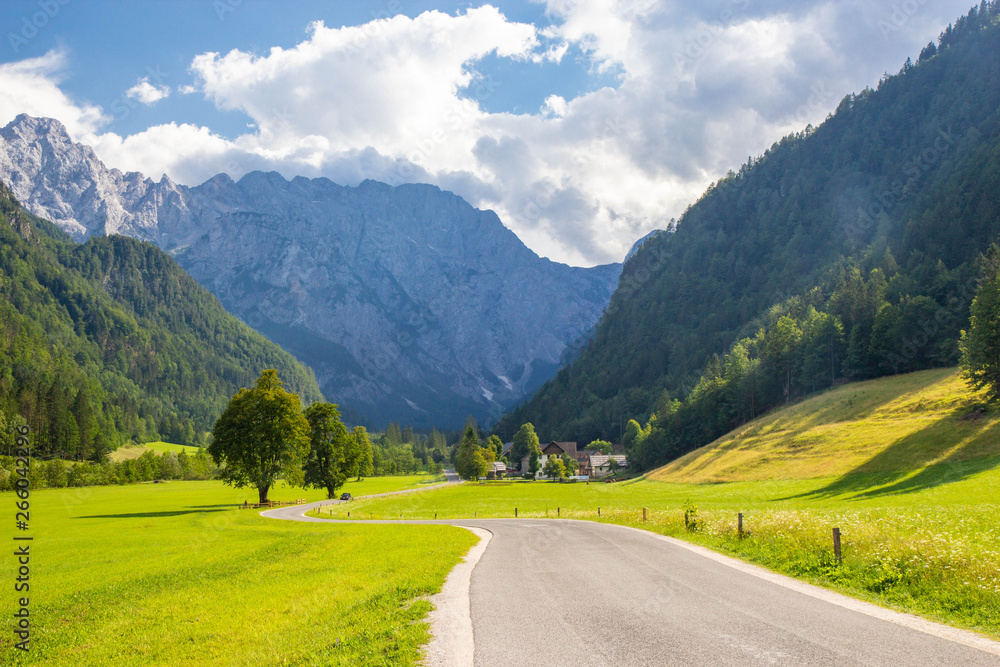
x=163 y=447
x=173 y=574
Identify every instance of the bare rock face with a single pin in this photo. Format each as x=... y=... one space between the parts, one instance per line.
x=408 y=303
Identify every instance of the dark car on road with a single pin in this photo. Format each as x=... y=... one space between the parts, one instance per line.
x=345 y=496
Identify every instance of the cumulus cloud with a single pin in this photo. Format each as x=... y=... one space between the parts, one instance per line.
x=696 y=89
x=31 y=86
x=146 y=92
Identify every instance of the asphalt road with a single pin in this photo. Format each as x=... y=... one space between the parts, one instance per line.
x=577 y=593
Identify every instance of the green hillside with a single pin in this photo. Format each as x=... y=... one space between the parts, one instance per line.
x=893 y=428
x=112 y=341
x=845 y=251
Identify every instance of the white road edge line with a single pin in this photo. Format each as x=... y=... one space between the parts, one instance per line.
x=452 y=643
x=957 y=635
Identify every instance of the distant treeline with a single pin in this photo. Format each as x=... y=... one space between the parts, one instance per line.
x=57 y=474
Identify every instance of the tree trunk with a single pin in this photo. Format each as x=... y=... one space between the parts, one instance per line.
x=262 y=492
x=331 y=492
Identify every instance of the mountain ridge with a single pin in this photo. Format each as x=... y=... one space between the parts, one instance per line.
x=408 y=303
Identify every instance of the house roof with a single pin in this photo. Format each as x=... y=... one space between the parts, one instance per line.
x=566 y=447
x=598 y=460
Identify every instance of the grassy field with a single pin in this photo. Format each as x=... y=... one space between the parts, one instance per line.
x=171 y=574
x=896 y=424
x=129 y=453
x=163 y=447
x=916 y=494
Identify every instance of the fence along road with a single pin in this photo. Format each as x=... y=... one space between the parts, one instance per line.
x=558 y=592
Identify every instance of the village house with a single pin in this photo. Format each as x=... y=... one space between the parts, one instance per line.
x=553 y=448
x=497 y=470
x=601 y=463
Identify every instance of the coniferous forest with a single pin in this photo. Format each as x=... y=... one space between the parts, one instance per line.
x=845 y=252
x=111 y=341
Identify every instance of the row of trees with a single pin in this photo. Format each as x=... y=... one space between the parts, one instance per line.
x=263 y=434
x=56 y=473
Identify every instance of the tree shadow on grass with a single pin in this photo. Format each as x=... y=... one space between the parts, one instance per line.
x=952 y=469
x=889 y=472
x=148 y=515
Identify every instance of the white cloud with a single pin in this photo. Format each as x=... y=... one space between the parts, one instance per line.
x=555 y=105
x=698 y=88
x=31 y=86
x=391 y=84
x=147 y=93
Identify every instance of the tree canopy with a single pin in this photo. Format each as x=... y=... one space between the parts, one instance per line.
x=261 y=435
x=470 y=462
x=525 y=443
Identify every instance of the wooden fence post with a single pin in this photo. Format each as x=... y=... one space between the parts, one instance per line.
x=687 y=520
x=644 y=515
x=836 y=545
x=515 y=512
x=558 y=511
x=598 y=511
x=739 y=526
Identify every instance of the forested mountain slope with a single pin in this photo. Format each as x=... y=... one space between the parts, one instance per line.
x=111 y=340
x=847 y=251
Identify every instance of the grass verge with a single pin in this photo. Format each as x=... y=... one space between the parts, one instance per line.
x=171 y=574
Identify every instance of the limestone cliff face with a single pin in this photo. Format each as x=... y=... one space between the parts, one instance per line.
x=407 y=302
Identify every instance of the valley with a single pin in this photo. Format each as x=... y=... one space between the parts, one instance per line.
x=360 y=380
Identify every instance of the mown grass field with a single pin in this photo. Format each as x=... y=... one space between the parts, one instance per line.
x=163 y=447
x=160 y=447
x=916 y=494
x=172 y=574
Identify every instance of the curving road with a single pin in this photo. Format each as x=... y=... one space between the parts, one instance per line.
x=558 y=592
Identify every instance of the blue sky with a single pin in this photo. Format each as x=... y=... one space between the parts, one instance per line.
x=583 y=123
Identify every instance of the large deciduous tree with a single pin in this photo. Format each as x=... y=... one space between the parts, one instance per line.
x=326 y=466
x=261 y=435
